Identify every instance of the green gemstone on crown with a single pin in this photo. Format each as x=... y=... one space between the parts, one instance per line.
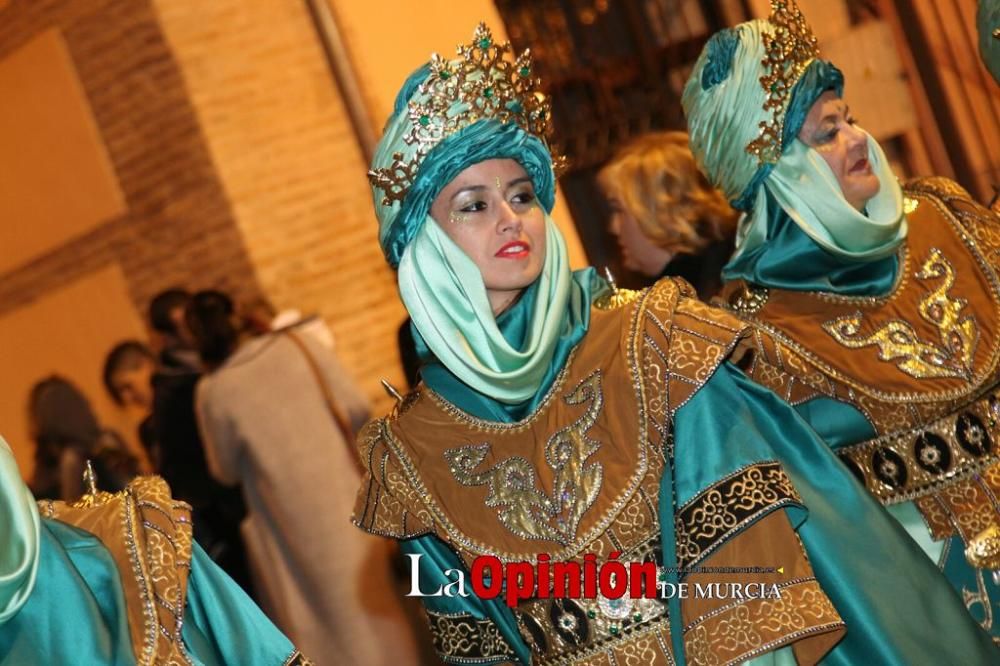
x=484 y=43
x=525 y=71
x=488 y=93
x=445 y=74
x=425 y=120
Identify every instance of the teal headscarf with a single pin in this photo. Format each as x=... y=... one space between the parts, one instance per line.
x=441 y=287
x=724 y=103
x=19 y=546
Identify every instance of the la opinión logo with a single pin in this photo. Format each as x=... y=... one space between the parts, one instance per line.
x=490 y=578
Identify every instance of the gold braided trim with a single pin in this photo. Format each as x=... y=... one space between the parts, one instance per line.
x=919 y=462
x=747 y=629
x=149 y=537
x=298 y=659
x=460 y=638
x=710 y=518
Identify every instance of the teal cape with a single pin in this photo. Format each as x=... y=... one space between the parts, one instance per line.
x=76 y=612
x=793 y=261
x=728 y=424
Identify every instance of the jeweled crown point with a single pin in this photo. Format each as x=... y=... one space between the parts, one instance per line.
x=484 y=82
x=788 y=50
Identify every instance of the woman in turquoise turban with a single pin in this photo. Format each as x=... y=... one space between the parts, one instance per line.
x=876 y=309
x=116 y=579
x=561 y=422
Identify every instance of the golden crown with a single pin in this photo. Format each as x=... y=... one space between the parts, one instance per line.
x=788 y=50
x=487 y=84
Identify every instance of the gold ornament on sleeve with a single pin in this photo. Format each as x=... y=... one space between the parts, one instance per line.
x=788 y=50
x=481 y=84
x=983 y=551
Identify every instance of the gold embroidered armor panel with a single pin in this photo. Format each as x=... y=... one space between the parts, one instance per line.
x=581 y=476
x=922 y=363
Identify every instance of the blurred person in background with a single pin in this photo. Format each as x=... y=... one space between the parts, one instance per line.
x=162 y=386
x=67 y=435
x=166 y=317
x=278 y=414
x=128 y=374
x=262 y=317
x=668 y=220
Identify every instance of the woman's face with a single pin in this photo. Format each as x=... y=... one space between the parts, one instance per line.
x=639 y=253
x=830 y=130
x=491 y=212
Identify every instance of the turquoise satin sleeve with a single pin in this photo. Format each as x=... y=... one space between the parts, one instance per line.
x=76 y=613
x=862 y=558
x=20 y=531
x=436 y=558
x=837 y=423
x=222 y=625
x=840 y=424
x=789 y=259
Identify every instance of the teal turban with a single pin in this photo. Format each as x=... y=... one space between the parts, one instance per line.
x=724 y=101
x=448 y=116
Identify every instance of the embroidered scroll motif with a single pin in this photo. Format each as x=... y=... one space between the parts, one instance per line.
x=526 y=510
x=898 y=341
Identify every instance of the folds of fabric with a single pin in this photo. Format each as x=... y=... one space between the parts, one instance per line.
x=20 y=536
x=850 y=540
x=790 y=259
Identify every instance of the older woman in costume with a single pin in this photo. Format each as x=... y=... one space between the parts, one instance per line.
x=876 y=309
x=116 y=579
x=668 y=220
x=557 y=417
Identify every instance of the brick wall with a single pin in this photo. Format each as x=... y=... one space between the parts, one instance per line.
x=286 y=154
x=178 y=228
x=236 y=160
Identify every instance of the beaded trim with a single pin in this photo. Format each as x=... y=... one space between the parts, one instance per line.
x=917 y=462
x=953 y=394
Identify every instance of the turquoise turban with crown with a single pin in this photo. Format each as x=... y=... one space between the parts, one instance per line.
x=745 y=102
x=448 y=116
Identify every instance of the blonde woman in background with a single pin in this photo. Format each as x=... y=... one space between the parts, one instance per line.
x=668 y=220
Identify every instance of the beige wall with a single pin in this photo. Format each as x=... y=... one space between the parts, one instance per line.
x=182 y=143
x=67 y=332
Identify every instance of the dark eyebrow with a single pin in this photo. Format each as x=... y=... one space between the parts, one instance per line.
x=518 y=181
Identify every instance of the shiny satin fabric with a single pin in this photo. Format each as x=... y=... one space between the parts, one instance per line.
x=63 y=602
x=20 y=537
x=731 y=422
x=76 y=613
x=790 y=259
x=446 y=298
x=849 y=538
x=515 y=326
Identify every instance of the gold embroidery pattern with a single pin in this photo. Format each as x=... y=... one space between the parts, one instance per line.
x=710 y=518
x=897 y=339
x=743 y=631
x=525 y=510
x=463 y=638
x=149 y=534
x=386 y=500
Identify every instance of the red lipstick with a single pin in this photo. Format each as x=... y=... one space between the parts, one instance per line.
x=514 y=250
